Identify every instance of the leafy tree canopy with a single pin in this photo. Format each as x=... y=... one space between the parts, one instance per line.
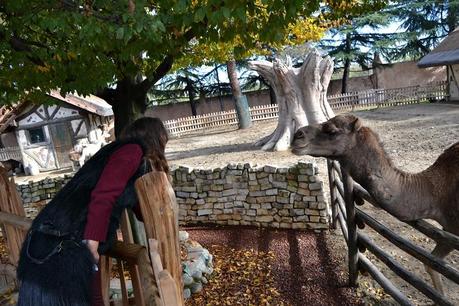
x=88 y=46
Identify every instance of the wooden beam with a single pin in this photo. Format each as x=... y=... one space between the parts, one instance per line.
x=409 y=277
x=19 y=222
x=417 y=252
x=353 y=249
x=386 y=284
x=331 y=181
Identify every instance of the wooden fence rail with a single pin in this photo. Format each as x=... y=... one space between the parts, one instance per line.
x=10 y=153
x=155 y=272
x=342 y=102
x=345 y=194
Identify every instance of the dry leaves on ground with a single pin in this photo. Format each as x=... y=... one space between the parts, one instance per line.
x=240 y=277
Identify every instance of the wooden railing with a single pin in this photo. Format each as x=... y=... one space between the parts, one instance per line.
x=155 y=271
x=342 y=102
x=10 y=153
x=344 y=195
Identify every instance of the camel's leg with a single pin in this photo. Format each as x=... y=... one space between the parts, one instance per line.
x=440 y=251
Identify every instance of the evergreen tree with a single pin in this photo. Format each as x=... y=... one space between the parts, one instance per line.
x=423 y=24
x=356 y=43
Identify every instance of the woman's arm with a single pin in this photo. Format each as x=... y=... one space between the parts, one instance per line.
x=121 y=166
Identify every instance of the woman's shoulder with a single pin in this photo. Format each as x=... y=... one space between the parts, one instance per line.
x=129 y=149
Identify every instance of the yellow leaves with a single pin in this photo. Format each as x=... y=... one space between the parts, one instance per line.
x=71 y=55
x=304 y=30
x=43 y=68
x=240 y=277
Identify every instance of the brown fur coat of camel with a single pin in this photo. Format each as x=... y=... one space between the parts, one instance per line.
x=429 y=194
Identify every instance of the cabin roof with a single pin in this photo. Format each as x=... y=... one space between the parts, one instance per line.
x=89 y=103
x=446 y=53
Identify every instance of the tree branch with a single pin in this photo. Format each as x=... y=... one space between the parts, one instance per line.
x=160 y=71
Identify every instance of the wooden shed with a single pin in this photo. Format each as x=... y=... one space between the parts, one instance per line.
x=446 y=54
x=42 y=136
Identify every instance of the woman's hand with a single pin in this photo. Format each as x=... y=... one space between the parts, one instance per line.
x=93 y=245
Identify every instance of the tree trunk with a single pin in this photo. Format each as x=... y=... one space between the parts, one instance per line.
x=189 y=88
x=128 y=103
x=242 y=106
x=347 y=65
x=272 y=96
x=301 y=95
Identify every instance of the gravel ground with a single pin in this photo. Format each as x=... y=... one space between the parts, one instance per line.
x=413 y=136
x=306 y=269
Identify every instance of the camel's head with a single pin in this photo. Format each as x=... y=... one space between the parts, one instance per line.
x=329 y=139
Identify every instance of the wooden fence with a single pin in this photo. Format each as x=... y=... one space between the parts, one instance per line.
x=155 y=272
x=342 y=102
x=10 y=153
x=344 y=194
x=389 y=97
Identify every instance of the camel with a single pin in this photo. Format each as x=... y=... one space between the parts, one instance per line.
x=429 y=194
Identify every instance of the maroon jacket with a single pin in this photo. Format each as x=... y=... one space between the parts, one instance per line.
x=120 y=167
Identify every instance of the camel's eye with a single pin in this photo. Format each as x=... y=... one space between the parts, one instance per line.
x=329 y=129
x=299 y=134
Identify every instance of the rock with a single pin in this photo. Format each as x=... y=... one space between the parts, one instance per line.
x=197 y=276
x=187 y=280
x=186 y=293
x=196 y=287
x=183 y=235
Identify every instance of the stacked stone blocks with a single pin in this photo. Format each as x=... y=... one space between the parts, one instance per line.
x=238 y=194
x=259 y=196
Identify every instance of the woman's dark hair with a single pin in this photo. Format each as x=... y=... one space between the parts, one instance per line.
x=153 y=134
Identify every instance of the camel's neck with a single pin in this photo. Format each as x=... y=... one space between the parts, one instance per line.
x=402 y=194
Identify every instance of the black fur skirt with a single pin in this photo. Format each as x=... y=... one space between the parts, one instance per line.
x=53 y=271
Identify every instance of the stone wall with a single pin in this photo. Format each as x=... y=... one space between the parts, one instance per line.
x=234 y=195
x=36 y=194
x=245 y=195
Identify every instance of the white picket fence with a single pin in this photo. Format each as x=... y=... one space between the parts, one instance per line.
x=389 y=97
x=342 y=102
x=10 y=153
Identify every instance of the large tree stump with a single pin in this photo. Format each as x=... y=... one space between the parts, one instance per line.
x=301 y=94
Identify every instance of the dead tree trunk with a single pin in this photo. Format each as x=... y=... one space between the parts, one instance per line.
x=301 y=95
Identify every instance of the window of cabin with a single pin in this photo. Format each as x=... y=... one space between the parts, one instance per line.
x=36 y=135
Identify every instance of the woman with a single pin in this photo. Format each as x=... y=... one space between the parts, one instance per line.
x=58 y=263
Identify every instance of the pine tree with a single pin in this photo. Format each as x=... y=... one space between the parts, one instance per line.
x=423 y=24
x=356 y=43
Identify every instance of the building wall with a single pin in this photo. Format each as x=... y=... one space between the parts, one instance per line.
x=407 y=74
x=354 y=84
x=386 y=76
x=9 y=140
x=210 y=105
x=453 y=74
x=234 y=195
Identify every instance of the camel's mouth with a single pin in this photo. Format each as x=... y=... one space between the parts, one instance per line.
x=300 y=150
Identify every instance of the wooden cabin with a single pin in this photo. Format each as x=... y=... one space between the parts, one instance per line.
x=42 y=136
x=446 y=54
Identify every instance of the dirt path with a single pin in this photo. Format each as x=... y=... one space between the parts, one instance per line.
x=413 y=136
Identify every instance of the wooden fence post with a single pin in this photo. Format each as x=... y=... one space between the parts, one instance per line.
x=331 y=183
x=353 y=251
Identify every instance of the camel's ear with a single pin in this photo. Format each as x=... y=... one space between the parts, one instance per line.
x=356 y=125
